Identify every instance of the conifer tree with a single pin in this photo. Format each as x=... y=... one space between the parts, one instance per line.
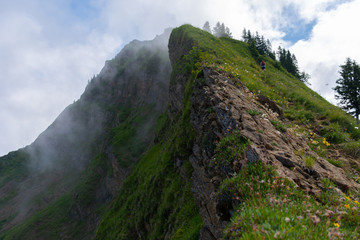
x=206 y=27
x=244 y=35
x=221 y=31
x=228 y=33
x=348 y=88
x=249 y=36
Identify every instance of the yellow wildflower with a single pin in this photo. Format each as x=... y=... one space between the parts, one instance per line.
x=337 y=225
x=348 y=198
x=357 y=202
x=347 y=205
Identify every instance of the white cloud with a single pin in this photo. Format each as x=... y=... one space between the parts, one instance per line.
x=40 y=75
x=333 y=39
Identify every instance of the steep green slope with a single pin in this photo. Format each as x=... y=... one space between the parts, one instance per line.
x=156 y=201
x=148 y=205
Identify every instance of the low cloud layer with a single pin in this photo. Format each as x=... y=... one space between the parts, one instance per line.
x=49 y=50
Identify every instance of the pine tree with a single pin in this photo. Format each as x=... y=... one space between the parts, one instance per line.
x=348 y=88
x=249 y=36
x=262 y=46
x=228 y=33
x=257 y=41
x=206 y=27
x=245 y=36
x=221 y=31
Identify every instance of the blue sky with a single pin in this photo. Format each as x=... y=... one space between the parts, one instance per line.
x=297 y=28
x=50 y=49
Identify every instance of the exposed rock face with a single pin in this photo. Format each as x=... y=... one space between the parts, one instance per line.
x=219 y=105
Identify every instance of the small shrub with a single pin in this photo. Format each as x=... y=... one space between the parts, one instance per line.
x=355 y=133
x=351 y=148
x=229 y=149
x=278 y=125
x=334 y=134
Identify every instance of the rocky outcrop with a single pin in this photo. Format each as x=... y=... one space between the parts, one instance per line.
x=219 y=106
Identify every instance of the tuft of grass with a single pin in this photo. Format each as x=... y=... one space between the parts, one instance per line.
x=309 y=160
x=253 y=112
x=336 y=163
x=278 y=125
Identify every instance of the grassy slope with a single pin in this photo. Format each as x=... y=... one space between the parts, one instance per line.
x=272 y=212
x=306 y=111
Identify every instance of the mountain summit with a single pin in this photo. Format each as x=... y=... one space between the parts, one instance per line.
x=186 y=137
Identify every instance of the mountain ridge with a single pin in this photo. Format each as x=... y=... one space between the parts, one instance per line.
x=172 y=146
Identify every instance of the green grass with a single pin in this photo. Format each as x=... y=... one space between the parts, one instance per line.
x=134 y=133
x=270 y=207
x=266 y=206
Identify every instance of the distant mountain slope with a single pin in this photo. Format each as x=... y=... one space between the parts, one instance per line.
x=78 y=164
